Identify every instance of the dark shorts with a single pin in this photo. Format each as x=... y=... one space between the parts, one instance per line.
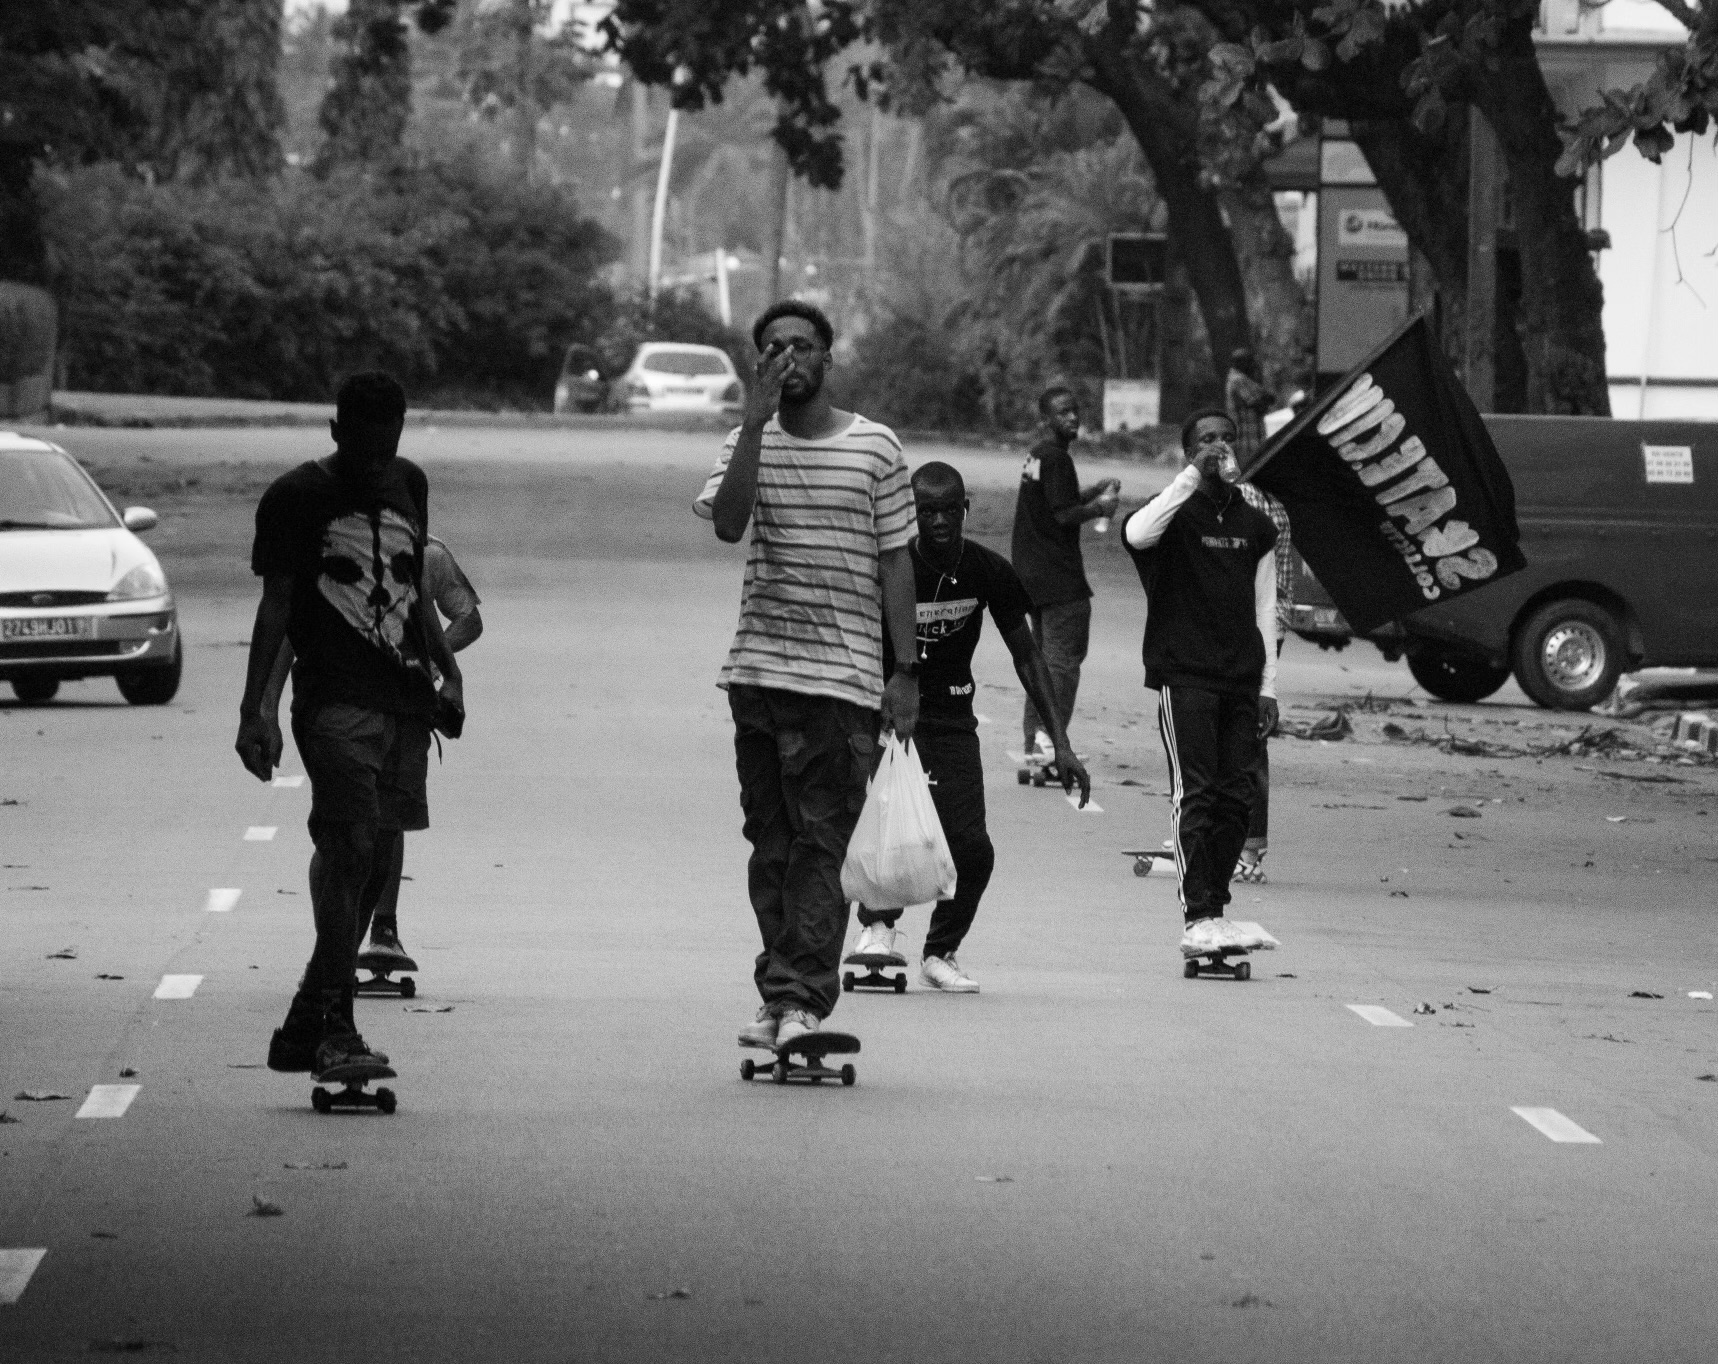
x=365 y=766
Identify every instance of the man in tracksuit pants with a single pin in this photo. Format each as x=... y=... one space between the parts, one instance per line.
x=1205 y=558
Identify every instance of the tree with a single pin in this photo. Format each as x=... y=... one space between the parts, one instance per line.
x=508 y=65
x=1407 y=78
x=364 y=113
x=1115 y=47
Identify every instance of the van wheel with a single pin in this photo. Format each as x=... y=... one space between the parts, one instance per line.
x=1569 y=654
x=1452 y=676
x=153 y=686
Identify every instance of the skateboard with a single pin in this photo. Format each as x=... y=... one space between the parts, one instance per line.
x=1144 y=859
x=381 y=966
x=1032 y=770
x=811 y=1048
x=875 y=977
x=1250 y=872
x=353 y=1077
x=1218 y=963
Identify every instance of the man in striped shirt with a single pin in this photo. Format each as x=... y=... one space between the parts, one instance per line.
x=831 y=509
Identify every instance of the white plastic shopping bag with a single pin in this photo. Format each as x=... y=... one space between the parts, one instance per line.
x=898 y=855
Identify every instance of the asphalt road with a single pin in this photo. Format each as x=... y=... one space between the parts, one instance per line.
x=1094 y=1159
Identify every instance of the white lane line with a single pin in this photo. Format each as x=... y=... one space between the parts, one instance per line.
x=1380 y=1017
x=177 y=987
x=261 y=833
x=16 y=1267
x=1554 y=1125
x=1092 y=807
x=108 y=1101
x=290 y=783
x=222 y=898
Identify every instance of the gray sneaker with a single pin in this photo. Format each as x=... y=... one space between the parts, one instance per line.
x=795 y=1024
x=944 y=973
x=760 y=1032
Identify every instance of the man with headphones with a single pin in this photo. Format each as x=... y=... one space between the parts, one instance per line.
x=955 y=582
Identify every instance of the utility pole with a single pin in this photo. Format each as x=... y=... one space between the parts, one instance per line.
x=775 y=238
x=640 y=253
x=1484 y=196
x=664 y=169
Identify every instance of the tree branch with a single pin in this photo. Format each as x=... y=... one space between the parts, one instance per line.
x=1684 y=13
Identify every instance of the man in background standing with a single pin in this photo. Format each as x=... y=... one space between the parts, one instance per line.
x=1048 y=513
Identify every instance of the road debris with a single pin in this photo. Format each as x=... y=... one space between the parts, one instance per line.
x=261 y=1207
x=1643 y=994
x=103 y=975
x=1424 y=1007
x=1480 y=989
x=324 y=1165
x=994 y=1179
x=64 y=954
x=126 y=1072
x=680 y=1293
x=1333 y=726
x=1462 y=812
x=429 y=1008
x=40 y=1096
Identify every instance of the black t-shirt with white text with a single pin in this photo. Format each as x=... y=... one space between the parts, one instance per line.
x=355 y=557
x=1046 y=553
x=950 y=613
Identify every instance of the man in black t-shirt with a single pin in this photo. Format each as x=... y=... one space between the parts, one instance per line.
x=1205 y=559
x=1048 y=513
x=955 y=582
x=340 y=547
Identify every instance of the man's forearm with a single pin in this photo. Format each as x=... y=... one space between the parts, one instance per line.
x=268 y=640
x=462 y=631
x=731 y=508
x=900 y=604
x=440 y=654
x=1034 y=675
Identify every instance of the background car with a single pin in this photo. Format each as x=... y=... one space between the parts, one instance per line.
x=581 y=387
x=672 y=376
x=80 y=594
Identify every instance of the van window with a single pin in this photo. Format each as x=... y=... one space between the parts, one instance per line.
x=688 y=362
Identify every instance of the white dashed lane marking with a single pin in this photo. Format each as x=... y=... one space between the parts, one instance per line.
x=222 y=898
x=108 y=1101
x=177 y=987
x=260 y=833
x=16 y=1267
x=1380 y=1017
x=1554 y=1125
x=290 y=783
x=1092 y=807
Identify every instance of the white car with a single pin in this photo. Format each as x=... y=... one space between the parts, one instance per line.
x=80 y=594
x=669 y=376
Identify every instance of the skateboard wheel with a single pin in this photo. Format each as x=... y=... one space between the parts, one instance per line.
x=1142 y=866
x=848 y=1075
x=408 y=987
x=781 y=1071
x=1023 y=776
x=900 y=989
x=747 y=1069
x=847 y=982
x=1243 y=970
x=321 y=1100
x=386 y=1101
x=1190 y=968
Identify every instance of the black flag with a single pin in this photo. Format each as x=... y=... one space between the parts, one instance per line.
x=1395 y=493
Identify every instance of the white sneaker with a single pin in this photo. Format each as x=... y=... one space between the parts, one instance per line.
x=944 y=973
x=795 y=1024
x=1045 y=747
x=1203 y=936
x=761 y=1031
x=878 y=943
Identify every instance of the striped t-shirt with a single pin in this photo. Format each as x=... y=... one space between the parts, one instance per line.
x=811 y=610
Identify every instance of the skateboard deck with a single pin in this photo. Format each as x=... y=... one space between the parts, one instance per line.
x=1032 y=770
x=382 y=966
x=1144 y=859
x=811 y=1048
x=876 y=975
x=352 y=1078
x=1229 y=961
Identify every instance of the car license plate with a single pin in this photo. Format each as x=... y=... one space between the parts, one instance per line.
x=48 y=627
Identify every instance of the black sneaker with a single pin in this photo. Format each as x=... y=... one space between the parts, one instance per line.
x=346 y=1057
x=385 y=952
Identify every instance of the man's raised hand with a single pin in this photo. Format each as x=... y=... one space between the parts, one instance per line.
x=765 y=397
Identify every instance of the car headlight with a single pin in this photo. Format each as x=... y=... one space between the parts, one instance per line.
x=146 y=580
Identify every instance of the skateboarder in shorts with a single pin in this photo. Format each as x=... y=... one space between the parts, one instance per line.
x=956 y=581
x=1205 y=559
x=825 y=493
x=339 y=547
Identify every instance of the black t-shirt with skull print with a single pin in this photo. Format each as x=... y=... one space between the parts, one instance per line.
x=356 y=561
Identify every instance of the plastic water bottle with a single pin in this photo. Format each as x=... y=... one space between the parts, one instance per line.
x=1101 y=525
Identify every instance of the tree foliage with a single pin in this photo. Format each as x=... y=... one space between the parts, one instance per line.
x=365 y=112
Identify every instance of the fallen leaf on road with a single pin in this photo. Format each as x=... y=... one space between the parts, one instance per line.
x=6 y=1117
x=671 y=1293
x=994 y=1179
x=1398 y=895
x=429 y=1008
x=1252 y=1300
x=261 y=1207
x=1424 y=1008
x=39 y=1096
x=325 y=1165
x=126 y=1072
x=103 y=975
x=64 y=954
x=105 y=1235
x=1643 y=994
x=1480 y=989
x=1413 y=797
x=1706 y=1077
x=1462 y=812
